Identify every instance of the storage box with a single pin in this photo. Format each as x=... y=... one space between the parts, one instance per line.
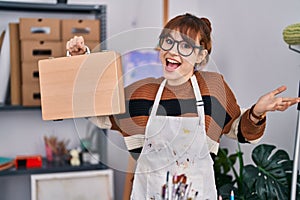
x=36 y=50
x=30 y=72
x=81 y=86
x=31 y=95
x=1 y=38
x=93 y=45
x=15 y=65
x=40 y=29
x=88 y=28
x=26 y=162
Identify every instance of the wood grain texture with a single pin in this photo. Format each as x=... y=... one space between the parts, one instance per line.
x=81 y=86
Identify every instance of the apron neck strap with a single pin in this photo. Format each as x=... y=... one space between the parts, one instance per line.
x=199 y=101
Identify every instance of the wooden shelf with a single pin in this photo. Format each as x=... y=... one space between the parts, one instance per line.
x=52 y=168
x=12 y=108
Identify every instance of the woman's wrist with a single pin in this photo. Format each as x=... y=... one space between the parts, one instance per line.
x=255 y=117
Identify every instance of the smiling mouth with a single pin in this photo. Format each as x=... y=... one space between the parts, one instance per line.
x=172 y=65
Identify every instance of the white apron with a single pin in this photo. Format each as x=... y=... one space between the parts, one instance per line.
x=176 y=145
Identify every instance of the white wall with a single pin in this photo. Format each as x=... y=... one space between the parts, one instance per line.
x=248 y=50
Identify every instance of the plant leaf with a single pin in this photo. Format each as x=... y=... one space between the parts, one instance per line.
x=269 y=176
x=222 y=168
x=250 y=173
x=224 y=162
x=288 y=165
x=225 y=190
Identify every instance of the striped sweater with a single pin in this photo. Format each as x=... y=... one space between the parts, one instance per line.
x=222 y=113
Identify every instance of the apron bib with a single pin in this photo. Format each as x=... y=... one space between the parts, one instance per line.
x=176 y=145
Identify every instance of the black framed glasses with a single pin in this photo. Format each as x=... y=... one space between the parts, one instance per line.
x=184 y=47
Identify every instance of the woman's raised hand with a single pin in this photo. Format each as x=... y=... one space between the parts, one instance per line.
x=270 y=102
x=76 y=46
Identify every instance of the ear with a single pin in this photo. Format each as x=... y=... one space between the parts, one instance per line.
x=201 y=56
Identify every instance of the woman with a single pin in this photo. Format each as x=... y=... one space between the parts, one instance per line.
x=174 y=124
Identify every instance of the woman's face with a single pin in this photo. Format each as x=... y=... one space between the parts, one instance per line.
x=178 y=69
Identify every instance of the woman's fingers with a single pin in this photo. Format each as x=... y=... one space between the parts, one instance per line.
x=278 y=90
x=76 y=45
x=283 y=103
x=283 y=106
x=270 y=102
x=290 y=100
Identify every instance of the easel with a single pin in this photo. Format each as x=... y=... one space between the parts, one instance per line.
x=296 y=155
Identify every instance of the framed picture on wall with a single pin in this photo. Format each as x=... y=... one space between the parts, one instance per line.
x=140 y=64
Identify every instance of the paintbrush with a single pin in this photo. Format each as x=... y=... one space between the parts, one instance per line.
x=167 y=186
x=163 y=192
x=181 y=187
x=188 y=191
x=196 y=194
x=182 y=191
x=174 y=185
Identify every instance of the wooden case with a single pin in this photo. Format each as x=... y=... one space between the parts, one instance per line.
x=81 y=86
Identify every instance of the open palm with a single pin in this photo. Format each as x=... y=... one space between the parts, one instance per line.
x=270 y=101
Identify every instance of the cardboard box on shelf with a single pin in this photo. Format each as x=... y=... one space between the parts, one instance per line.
x=1 y=38
x=88 y=28
x=81 y=86
x=40 y=29
x=36 y=50
x=93 y=45
x=15 y=65
x=31 y=95
x=30 y=73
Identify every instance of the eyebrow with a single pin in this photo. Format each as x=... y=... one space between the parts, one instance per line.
x=187 y=39
x=184 y=38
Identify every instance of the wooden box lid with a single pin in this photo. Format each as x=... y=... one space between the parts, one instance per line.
x=81 y=86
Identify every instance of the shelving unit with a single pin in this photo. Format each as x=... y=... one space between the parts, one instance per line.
x=99 y=11
x=23 y=175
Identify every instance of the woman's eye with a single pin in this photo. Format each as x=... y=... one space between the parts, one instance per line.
x=169 y=41
x=186 y=45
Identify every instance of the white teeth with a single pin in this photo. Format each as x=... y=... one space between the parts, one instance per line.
x=172 y=61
